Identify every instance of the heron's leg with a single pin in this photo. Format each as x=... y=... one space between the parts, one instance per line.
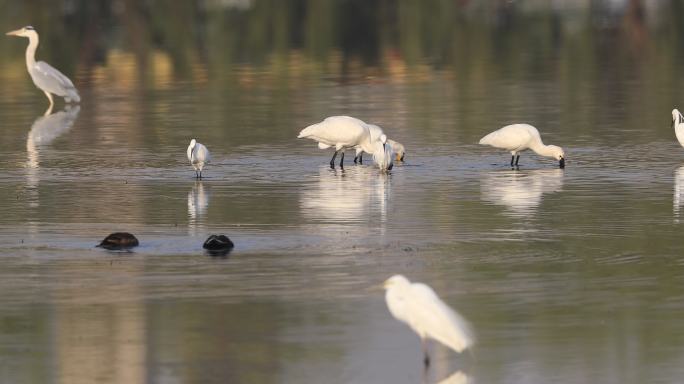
x=426 y=360
x=332 y=161
x=49 y=96
x=517 y=158
x=342 y=160
x=512 y=159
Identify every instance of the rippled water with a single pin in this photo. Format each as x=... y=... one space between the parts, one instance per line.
x=570 y=275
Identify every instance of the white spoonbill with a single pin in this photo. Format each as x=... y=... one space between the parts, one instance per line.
x=417 y=305
x=45 y=77
x=519 y=137
x=678 y=125
x=398 y=149
x=345 y=132
x=198 y=155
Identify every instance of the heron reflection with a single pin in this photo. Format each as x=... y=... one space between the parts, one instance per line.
x=43 y=132
x=520 y=192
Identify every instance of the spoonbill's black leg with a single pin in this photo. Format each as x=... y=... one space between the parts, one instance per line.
x=342 y=160
x=517 y=158
x=332 y=161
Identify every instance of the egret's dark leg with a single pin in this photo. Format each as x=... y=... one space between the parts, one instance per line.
x=332 y=161
x=512 y=159
x=342 y=160
x=517 y=158
x=426 y=359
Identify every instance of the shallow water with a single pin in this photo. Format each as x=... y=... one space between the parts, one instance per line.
x=569 y=275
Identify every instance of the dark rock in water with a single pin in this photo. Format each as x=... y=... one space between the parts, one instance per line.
x=218 y=245
x=119 y=240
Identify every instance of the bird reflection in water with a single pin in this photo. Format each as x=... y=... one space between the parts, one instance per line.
x=44 y=131
x=677 y=199
x=520 y=192
x=198 y=202
x=354 y=195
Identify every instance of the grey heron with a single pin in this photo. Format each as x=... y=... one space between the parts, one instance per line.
x=47 y=78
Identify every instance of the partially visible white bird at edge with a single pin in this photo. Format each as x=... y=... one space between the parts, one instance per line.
x=47 y=78
x=417 y=305
x=516 y=138
x=678 y=125
x=345 y=132
x=199 y=156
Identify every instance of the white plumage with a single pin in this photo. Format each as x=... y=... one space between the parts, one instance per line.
x=678 y=124
x=516 y=138
x=417 y=305
x=345 y=132
x=398 y=148
x=198 y=155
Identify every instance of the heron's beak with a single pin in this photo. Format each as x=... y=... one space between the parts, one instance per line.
x=14 y=33
x=561 y=162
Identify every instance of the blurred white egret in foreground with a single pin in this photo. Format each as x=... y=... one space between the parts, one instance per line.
x=198 y=155
x=417 y=305
x=47 y=78
x=678 y=125
x=519 y=137
x=345 y=132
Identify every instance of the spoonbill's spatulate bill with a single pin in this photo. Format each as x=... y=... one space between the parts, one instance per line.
x=47 y=78
x=417 y=305
x=516 y=138
x=678 y=124
x=198 y=155
x=345 y=132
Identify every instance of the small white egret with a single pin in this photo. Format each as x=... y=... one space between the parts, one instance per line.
x=398 y=149
x=198 y=155
x=47 y=78
x=519 y=137
x=417 y=305
x=678 y=125
x=345 y=132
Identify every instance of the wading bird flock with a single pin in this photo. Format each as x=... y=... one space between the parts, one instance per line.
x=415 y=304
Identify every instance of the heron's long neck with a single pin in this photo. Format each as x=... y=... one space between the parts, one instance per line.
x=31 y=51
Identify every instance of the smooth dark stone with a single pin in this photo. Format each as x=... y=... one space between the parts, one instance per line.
x=119 y=240
x=218 y=245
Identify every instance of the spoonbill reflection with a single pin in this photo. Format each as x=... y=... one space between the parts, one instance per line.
x=198 y=155
x=520 y=192
x=355 y=195
x=678 y=125
x=47 y=78
x=678 y=197
x=345 y=132
x=519 y=137
x=417 y=305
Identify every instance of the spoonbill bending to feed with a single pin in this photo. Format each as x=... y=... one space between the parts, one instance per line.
x=417 y=305
x=377 y=133
x=398 y=149
x=345 y=132
x=198 y=155
x=519 y=137
x=45 y=77
x=678 y=124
